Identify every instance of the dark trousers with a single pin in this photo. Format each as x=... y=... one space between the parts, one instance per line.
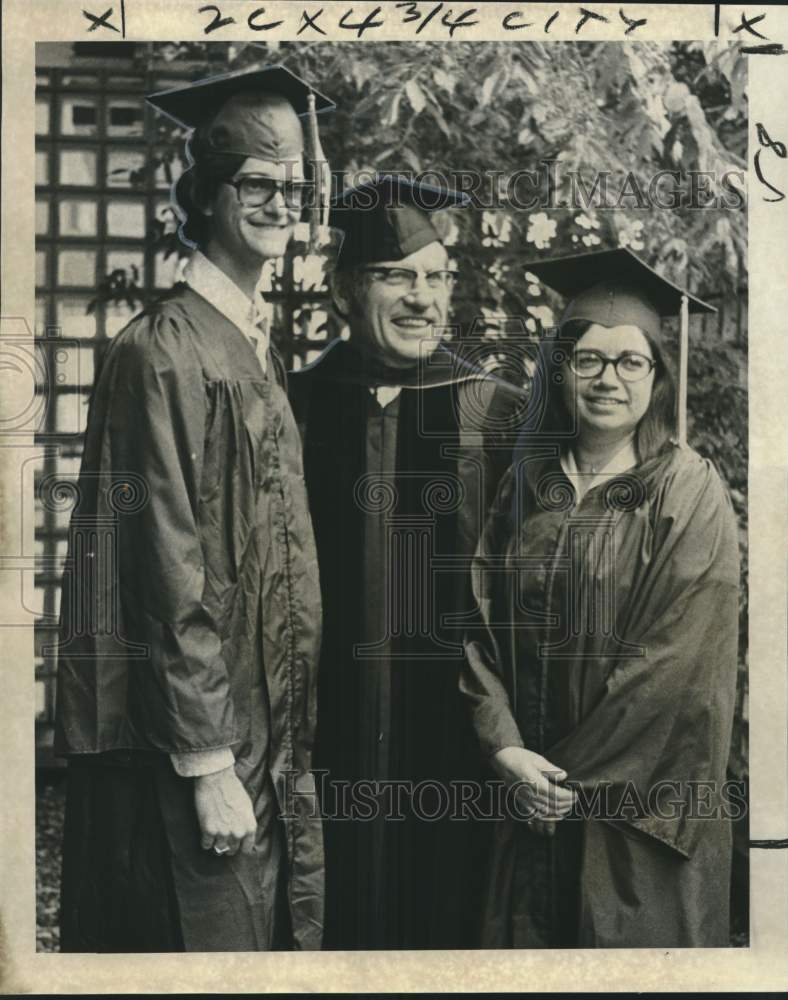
x=135 y=878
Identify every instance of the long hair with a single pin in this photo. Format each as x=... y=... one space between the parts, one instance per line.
x=197 y=187
x=548 y=414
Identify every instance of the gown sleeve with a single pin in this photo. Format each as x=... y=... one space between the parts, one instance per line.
x=662 y=723
x=156 y=418
x=482 y=680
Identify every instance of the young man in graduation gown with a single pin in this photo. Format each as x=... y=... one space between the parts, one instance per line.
x=191 y=608
x=403 y=447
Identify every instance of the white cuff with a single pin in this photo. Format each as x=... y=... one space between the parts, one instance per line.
x=201 y=762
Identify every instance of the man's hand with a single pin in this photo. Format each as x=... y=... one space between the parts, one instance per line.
x=541 y=798
x=225 y=813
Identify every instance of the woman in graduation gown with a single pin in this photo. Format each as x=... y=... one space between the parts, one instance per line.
x=602 y=674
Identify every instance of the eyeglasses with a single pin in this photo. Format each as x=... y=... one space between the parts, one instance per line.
x=630 y=366
x=255 y=191
x=406 y=277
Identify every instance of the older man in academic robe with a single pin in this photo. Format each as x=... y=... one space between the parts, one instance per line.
x=404 y=443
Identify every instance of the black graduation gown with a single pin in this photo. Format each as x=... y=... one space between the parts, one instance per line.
x=397 y=497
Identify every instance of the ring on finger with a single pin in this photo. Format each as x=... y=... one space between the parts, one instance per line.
x=220 y=850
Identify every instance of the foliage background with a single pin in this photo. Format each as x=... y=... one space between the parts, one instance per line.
x=487 y=106
x=634 y=108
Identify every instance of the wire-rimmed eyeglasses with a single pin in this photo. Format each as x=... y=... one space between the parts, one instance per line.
x=406 y=277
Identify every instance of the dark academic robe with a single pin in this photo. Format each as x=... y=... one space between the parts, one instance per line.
x=618 y=664
x=398 y=496
x=190 y=621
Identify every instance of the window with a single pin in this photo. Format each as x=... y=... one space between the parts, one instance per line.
x=128 y=261
x=125 y=117
x=125 y=168
x=74 y=366
x=76 y=267
x=78 y=167
x=128 y=83
x=41 y=268
x=117 y=315
x=169 y=167
x=71 y=315
x=42 y=167
x=78 y=116
x=42 y=116
x=126 y=218
x=168 y=270
x=70 y=81
x=41 y=315
x=72 y=418
x=42 y=216
x=77 y=217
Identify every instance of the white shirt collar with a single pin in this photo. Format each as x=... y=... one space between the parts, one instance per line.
x=209 y=281
x=385 y=394
x=622 y=460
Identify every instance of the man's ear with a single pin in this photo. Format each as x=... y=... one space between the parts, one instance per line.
x=340 y=295
x=203 y=194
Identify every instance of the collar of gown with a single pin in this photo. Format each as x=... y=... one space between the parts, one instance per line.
x=209 y=281
x=582 y=482
x=341 y=362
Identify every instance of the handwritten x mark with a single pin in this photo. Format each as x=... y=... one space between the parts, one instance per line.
x=100 y=21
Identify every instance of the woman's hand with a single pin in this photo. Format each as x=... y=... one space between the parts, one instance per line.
x=541 y=800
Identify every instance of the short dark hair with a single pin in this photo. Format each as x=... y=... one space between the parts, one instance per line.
x=197 y=187
x=656 y=426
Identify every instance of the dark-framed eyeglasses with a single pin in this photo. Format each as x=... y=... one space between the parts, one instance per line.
x=406 y=277
x=255 y=190
x=629 y=366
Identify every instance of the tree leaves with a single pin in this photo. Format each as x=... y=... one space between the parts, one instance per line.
x=444 y=80
x=488 y=89
x=415 y=95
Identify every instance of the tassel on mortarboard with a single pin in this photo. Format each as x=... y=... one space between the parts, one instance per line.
x=321 y=177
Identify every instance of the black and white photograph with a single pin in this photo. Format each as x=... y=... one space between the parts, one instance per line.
x=388 y=475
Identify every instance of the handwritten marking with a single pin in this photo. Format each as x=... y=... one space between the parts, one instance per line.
x=587 y=15
x=459 y=22
x=780 y=150
x=748 y=26
x=772 y=49
x=632 y=22
x=362 y=26
x=218 y=21
x=100 y=22
x=508 y=26
x=311 y=22
x=429 y=17
x=261 y=27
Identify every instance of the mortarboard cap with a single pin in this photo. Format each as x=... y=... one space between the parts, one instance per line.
x=388 y=218
x=614 y=288
x=248 y=113
x=617 y=288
